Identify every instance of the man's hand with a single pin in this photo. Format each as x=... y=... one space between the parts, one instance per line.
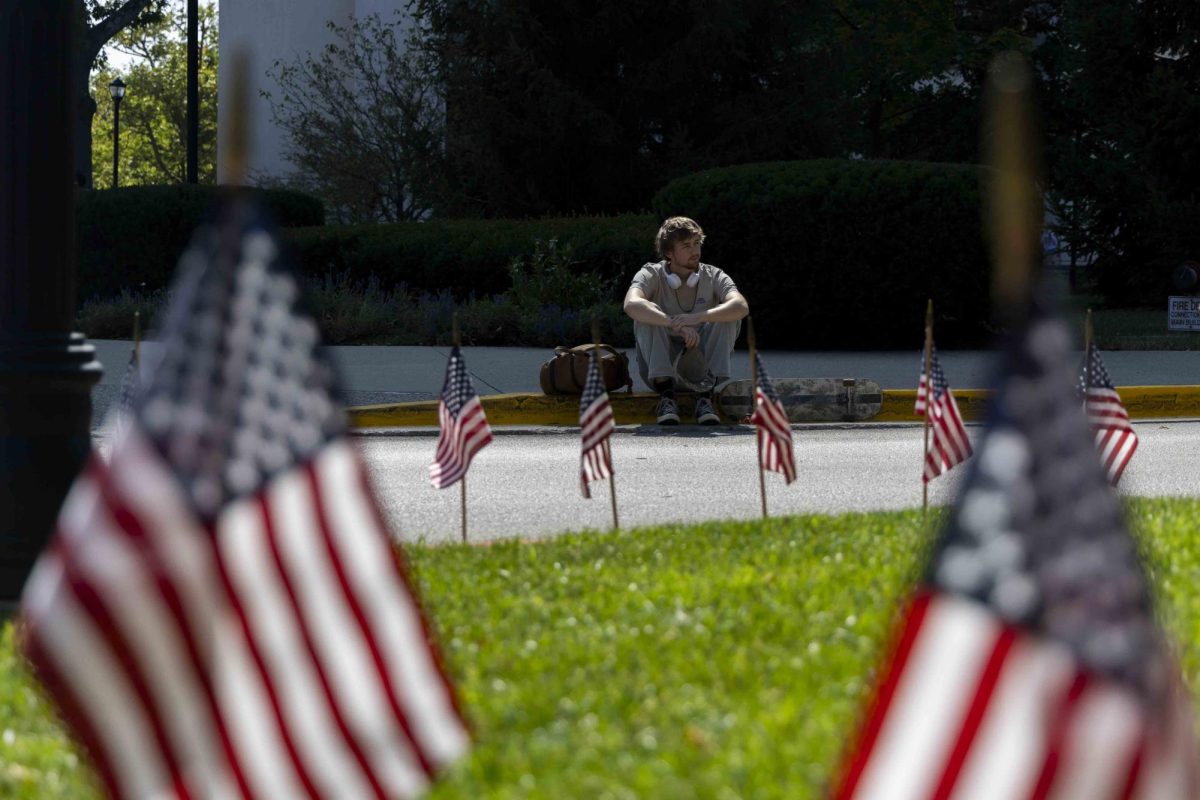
x=691 y=336
x=689 y=320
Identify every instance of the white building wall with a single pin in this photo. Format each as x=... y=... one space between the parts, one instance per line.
x=270 y=31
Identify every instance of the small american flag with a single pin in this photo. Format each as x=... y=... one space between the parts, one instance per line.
x=1029 y=664
x=1115 y=438
x=595 y=428
x=221 y=612
x=949 y=445
x=775 y=450
x=464 y=428
x=129 y=390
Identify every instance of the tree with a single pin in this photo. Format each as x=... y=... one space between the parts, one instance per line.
x=154 y=111
x=560 y=106
x=98 y=21
x=365 y=121
x=1125 y=159
x=583 y=105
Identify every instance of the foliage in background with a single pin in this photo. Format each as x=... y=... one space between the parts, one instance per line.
x=365 y=122
x=352 y=312
x=728 y=659
x=560 y=108
x=466 y=257
x=154 y=111
x=97 y=22
x=843 y=254
x=136 y=234
x=579 y=107
x=1123 y=107
x=551 y=275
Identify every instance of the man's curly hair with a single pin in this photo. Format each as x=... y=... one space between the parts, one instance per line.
x=673 y=230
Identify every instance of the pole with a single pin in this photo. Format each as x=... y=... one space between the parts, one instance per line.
x=928 y=397
x=193 y=91
x=1089 y=336
x=462 y=484
x=116 y=141
x=46 y=371
x=137 y=338
x=1013 y=204
x=612 y=479
x=762 y=481
x=612 y=493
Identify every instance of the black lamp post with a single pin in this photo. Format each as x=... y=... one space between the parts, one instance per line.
x=46 y=371
x=117 y=90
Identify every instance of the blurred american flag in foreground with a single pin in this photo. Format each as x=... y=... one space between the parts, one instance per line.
x=1028 y=664
x=221 y=612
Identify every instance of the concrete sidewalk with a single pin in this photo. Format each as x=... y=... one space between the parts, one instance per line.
x=373 y=375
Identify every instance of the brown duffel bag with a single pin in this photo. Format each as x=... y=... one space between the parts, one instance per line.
x=567 y=371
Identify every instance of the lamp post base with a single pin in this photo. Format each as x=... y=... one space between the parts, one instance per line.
x=45 y=436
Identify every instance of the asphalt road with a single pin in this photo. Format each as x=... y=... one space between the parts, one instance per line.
x=527 y=485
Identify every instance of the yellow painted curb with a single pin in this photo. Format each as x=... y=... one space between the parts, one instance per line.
x=898 y=404
x=1142 y=402
x=516 y=409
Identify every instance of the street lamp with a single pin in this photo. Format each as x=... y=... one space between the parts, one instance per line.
x=117 y=90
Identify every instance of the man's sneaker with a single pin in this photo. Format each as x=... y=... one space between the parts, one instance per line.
x=705 y=414
x=667 y=411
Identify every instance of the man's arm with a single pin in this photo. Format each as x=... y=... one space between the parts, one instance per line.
x=639 y=308
x=734 y=308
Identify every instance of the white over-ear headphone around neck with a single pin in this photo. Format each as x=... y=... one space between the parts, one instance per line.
x=674 y=281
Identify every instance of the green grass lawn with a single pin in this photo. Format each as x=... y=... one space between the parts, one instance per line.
x=721 y=660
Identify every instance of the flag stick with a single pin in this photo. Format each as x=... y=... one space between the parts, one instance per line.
x=762 y=481
x=234 y=150
x=612 y=493
x=137 y=337
x=612 y=478
x=1014 y=206
x=462 y=484
x=928 y=386
x=1089 y=336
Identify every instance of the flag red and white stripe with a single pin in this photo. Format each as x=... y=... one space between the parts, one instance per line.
x=1029 y=662
x=971 y=707
x=773 y=428
x=595 y=429
x=464 y=427
x=1116 y=440
x=222 y=612
x=278 y=654
x=949 y=444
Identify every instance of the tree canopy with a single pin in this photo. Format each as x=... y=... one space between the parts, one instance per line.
x=154 y=111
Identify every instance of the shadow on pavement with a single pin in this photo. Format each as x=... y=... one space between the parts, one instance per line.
x=692 y=431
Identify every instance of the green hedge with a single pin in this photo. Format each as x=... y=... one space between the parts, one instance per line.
x=469 y=257
x=136 y=234
x=843 y=254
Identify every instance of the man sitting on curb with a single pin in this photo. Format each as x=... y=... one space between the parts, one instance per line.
x=685 y=314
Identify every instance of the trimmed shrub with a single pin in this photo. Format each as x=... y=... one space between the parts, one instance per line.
x=471 y=257
x=136 y=234
x=836 y=254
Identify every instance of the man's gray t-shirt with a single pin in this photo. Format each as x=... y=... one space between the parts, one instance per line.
x=712 y=290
